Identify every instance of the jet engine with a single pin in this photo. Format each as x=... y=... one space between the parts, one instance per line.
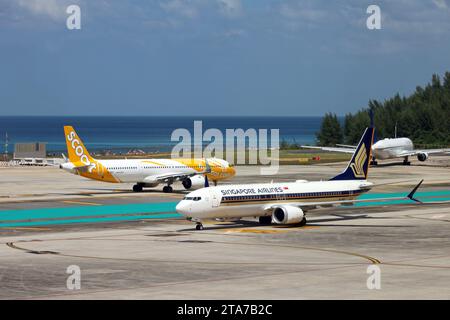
x=287 y=215
x=195 y=182
x=422 y=156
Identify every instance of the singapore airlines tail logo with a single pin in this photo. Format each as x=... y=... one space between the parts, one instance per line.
x=358 y=165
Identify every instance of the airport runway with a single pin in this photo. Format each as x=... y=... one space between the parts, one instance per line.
x=147 y=252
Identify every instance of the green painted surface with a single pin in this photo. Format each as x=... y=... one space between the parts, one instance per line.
x=83 y=211
x=87 y=220
x=439 y=193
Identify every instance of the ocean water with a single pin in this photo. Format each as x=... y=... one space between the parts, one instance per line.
x=120 y=134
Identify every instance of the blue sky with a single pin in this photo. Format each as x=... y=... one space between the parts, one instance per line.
x=215 y=57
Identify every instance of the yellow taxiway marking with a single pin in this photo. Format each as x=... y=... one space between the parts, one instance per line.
x=297 y=228
x=268 y=231
x=27 y=228
x=255 y=231
x=82 y=202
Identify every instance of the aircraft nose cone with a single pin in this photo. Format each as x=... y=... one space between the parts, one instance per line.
x=182 y=208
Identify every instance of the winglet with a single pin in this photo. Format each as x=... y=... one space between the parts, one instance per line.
x=206 y=181
x=411 y=194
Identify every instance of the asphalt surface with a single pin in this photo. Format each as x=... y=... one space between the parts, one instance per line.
x=163 y=257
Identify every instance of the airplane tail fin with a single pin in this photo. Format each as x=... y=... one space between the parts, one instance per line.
x=358 y=167
x=75 y=148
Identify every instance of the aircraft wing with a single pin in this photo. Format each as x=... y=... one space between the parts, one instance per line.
x=305 y=206
x=428 y=151
x=332 y=149
x=176 y=176
x=346 y=146
x=170 y=177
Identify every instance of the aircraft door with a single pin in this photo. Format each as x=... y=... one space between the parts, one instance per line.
x=215 y=200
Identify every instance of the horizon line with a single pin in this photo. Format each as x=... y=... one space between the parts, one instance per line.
x=174 y=116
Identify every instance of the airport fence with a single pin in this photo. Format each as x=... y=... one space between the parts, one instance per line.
x=11 y=163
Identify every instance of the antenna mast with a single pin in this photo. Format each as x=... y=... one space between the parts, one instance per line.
x=6 y=146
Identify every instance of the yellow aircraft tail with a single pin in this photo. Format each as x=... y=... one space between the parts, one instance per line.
x=76 y=150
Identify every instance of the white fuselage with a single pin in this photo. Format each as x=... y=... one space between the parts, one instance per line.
x=252 y=200
x=139 y=170
x=150 y=171
x=391 y=148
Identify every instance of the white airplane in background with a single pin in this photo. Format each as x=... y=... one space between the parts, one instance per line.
x=193 y=173
x=388 y=148
x=285 y=203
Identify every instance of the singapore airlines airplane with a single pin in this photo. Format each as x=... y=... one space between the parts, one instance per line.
x=284 y=203
x=193 y=173
x=388 y=149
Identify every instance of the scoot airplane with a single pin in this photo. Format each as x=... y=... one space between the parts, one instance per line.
x=284 y=203
x=389 y=148
x=144 y=172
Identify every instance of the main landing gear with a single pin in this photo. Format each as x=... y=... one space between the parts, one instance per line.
x=199 y=226
x=303 y=222
x=167 y=189
x=406 y=162
x=137 y=188
x=265 y=219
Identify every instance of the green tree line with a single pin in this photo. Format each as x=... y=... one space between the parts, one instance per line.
x=423 y=116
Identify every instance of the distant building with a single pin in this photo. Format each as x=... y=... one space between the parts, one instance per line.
x=30 y=150
x=31 y=153
x=34 y=154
